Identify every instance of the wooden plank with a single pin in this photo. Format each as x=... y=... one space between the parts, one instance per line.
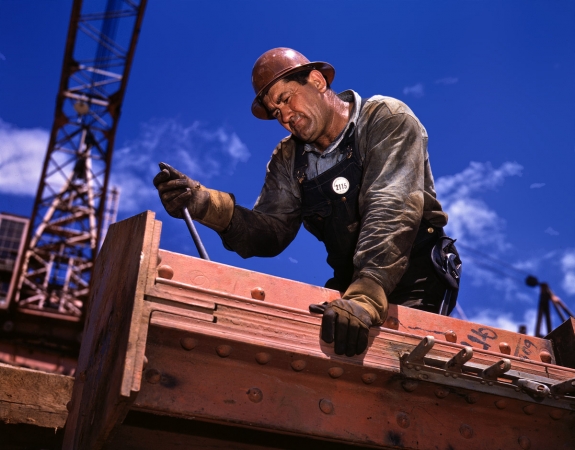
x=32 y=397
x=103 y=390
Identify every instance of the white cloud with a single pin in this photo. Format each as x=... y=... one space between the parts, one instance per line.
x=416 y=90
x=568 y=268
x=293 y=260
x=537 y=185
x=551 y=232
x=2 y=57
x=22 y=154
x=505 y=321
x=195 y=150
x=447 y=80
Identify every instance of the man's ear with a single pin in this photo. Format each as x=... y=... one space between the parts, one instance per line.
x=317 y=80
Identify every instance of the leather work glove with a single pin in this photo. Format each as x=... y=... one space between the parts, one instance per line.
x=347 y=320
x=209 y=207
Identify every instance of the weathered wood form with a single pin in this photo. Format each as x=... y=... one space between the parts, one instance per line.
x=172 y=335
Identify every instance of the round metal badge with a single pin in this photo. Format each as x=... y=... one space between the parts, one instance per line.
x=340 y=185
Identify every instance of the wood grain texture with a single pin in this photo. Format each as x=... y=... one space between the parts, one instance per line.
x=108 y=356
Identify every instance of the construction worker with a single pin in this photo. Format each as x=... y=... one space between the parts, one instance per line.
x=356 y=173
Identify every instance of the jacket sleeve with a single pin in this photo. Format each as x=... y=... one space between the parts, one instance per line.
x=391 y=195
x=272 y=224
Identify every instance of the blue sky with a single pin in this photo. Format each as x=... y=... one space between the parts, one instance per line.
x=493 y=83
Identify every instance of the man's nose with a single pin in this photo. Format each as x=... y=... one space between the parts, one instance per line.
x=285 y=115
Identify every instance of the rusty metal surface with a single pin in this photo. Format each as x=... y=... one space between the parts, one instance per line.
x=238 y=348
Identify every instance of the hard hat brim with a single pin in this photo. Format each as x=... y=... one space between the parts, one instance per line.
x=261 y=112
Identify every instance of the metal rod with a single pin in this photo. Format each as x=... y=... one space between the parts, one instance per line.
x=195 y=235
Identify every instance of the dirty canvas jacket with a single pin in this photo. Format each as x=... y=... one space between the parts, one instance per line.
x=397 y=190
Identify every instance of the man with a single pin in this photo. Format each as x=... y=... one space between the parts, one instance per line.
x=356 y=172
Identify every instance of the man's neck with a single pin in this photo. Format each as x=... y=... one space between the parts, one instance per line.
x=340 y=117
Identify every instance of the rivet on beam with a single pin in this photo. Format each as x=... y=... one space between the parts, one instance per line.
x=153 y=376
x=556 y=414
x=392 y=323
x=368 y=378
x=466 y=431
x=224 y=350
x=145 y=362
x=409 y=385
x=505 y=348
x=403 y=420
x=529 y=409
x=501 y=404
x=441 y=392
x=545 y=356
x=524 y=442
x=258 y=294
x=188 y=343
x=263 y=358
x=255 y=395
x=326 y=406
x=450 y=336
x=335 y=372
x=165 y=271
x=298 y=365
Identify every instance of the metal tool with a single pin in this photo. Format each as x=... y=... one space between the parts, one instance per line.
x=195 y=236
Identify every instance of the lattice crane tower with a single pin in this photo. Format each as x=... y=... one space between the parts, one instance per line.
x=70 y=207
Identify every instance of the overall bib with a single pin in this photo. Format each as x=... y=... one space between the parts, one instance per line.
x=330 y=211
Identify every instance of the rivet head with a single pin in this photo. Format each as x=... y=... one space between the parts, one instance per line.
x=430 y=230
x=298 y=365
x=263 y=358
x=441 y=392
x=165 y=271
x=326 y=406
x=556 y=414
x=524 y=442
x=335 y=372
x=466 y=431
x=501 y=404
x=255 y=395
x=391 y=323
x=188 y=343
x=409 y=385
x=545 y=356
x=69 y=406
x=450 y=336
x=368 y=378
x=258 y=294
x=153 y=376
x=224 y=350
x=504 y=348
x=529 y=409
x=403 y=420
x=471 y=398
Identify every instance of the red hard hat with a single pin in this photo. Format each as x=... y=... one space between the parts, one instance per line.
x=276 y=64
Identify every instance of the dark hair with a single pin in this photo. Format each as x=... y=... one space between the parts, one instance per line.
x=301 y=77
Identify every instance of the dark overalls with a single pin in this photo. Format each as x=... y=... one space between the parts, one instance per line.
x=330 y=211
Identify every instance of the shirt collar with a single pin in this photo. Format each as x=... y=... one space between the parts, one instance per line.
x=347 y=96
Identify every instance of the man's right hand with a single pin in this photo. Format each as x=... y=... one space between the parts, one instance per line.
x=209 y=207
x=177 y=191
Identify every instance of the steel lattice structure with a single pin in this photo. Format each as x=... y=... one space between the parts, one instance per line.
x=70 y=206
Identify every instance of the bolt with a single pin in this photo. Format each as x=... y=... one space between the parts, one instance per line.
x=417 y=367
x=545 y=356
x=165 y=271
x=335 y=372
x=392 y=323
x=223 y=350
x=298 y=365
x=410 y=385
x=258 y=294
x=153 y=376
x=529 y=409
x=403 y=420
x=188 y=343
x=255 y=395
x=505 y=348
x=466 y=431
x=326 y=406
x=454 y=375
x=446 y=374
x=524 y=442
x=450 y=336
x=263 y=358
x=368 y=378
x=482 y=381
x=441 y=392
x=501 y=404
x=490 y=383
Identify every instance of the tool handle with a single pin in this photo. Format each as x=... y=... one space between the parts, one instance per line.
x=195 y=236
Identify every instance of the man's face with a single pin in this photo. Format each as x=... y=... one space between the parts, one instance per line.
x=299 y=109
